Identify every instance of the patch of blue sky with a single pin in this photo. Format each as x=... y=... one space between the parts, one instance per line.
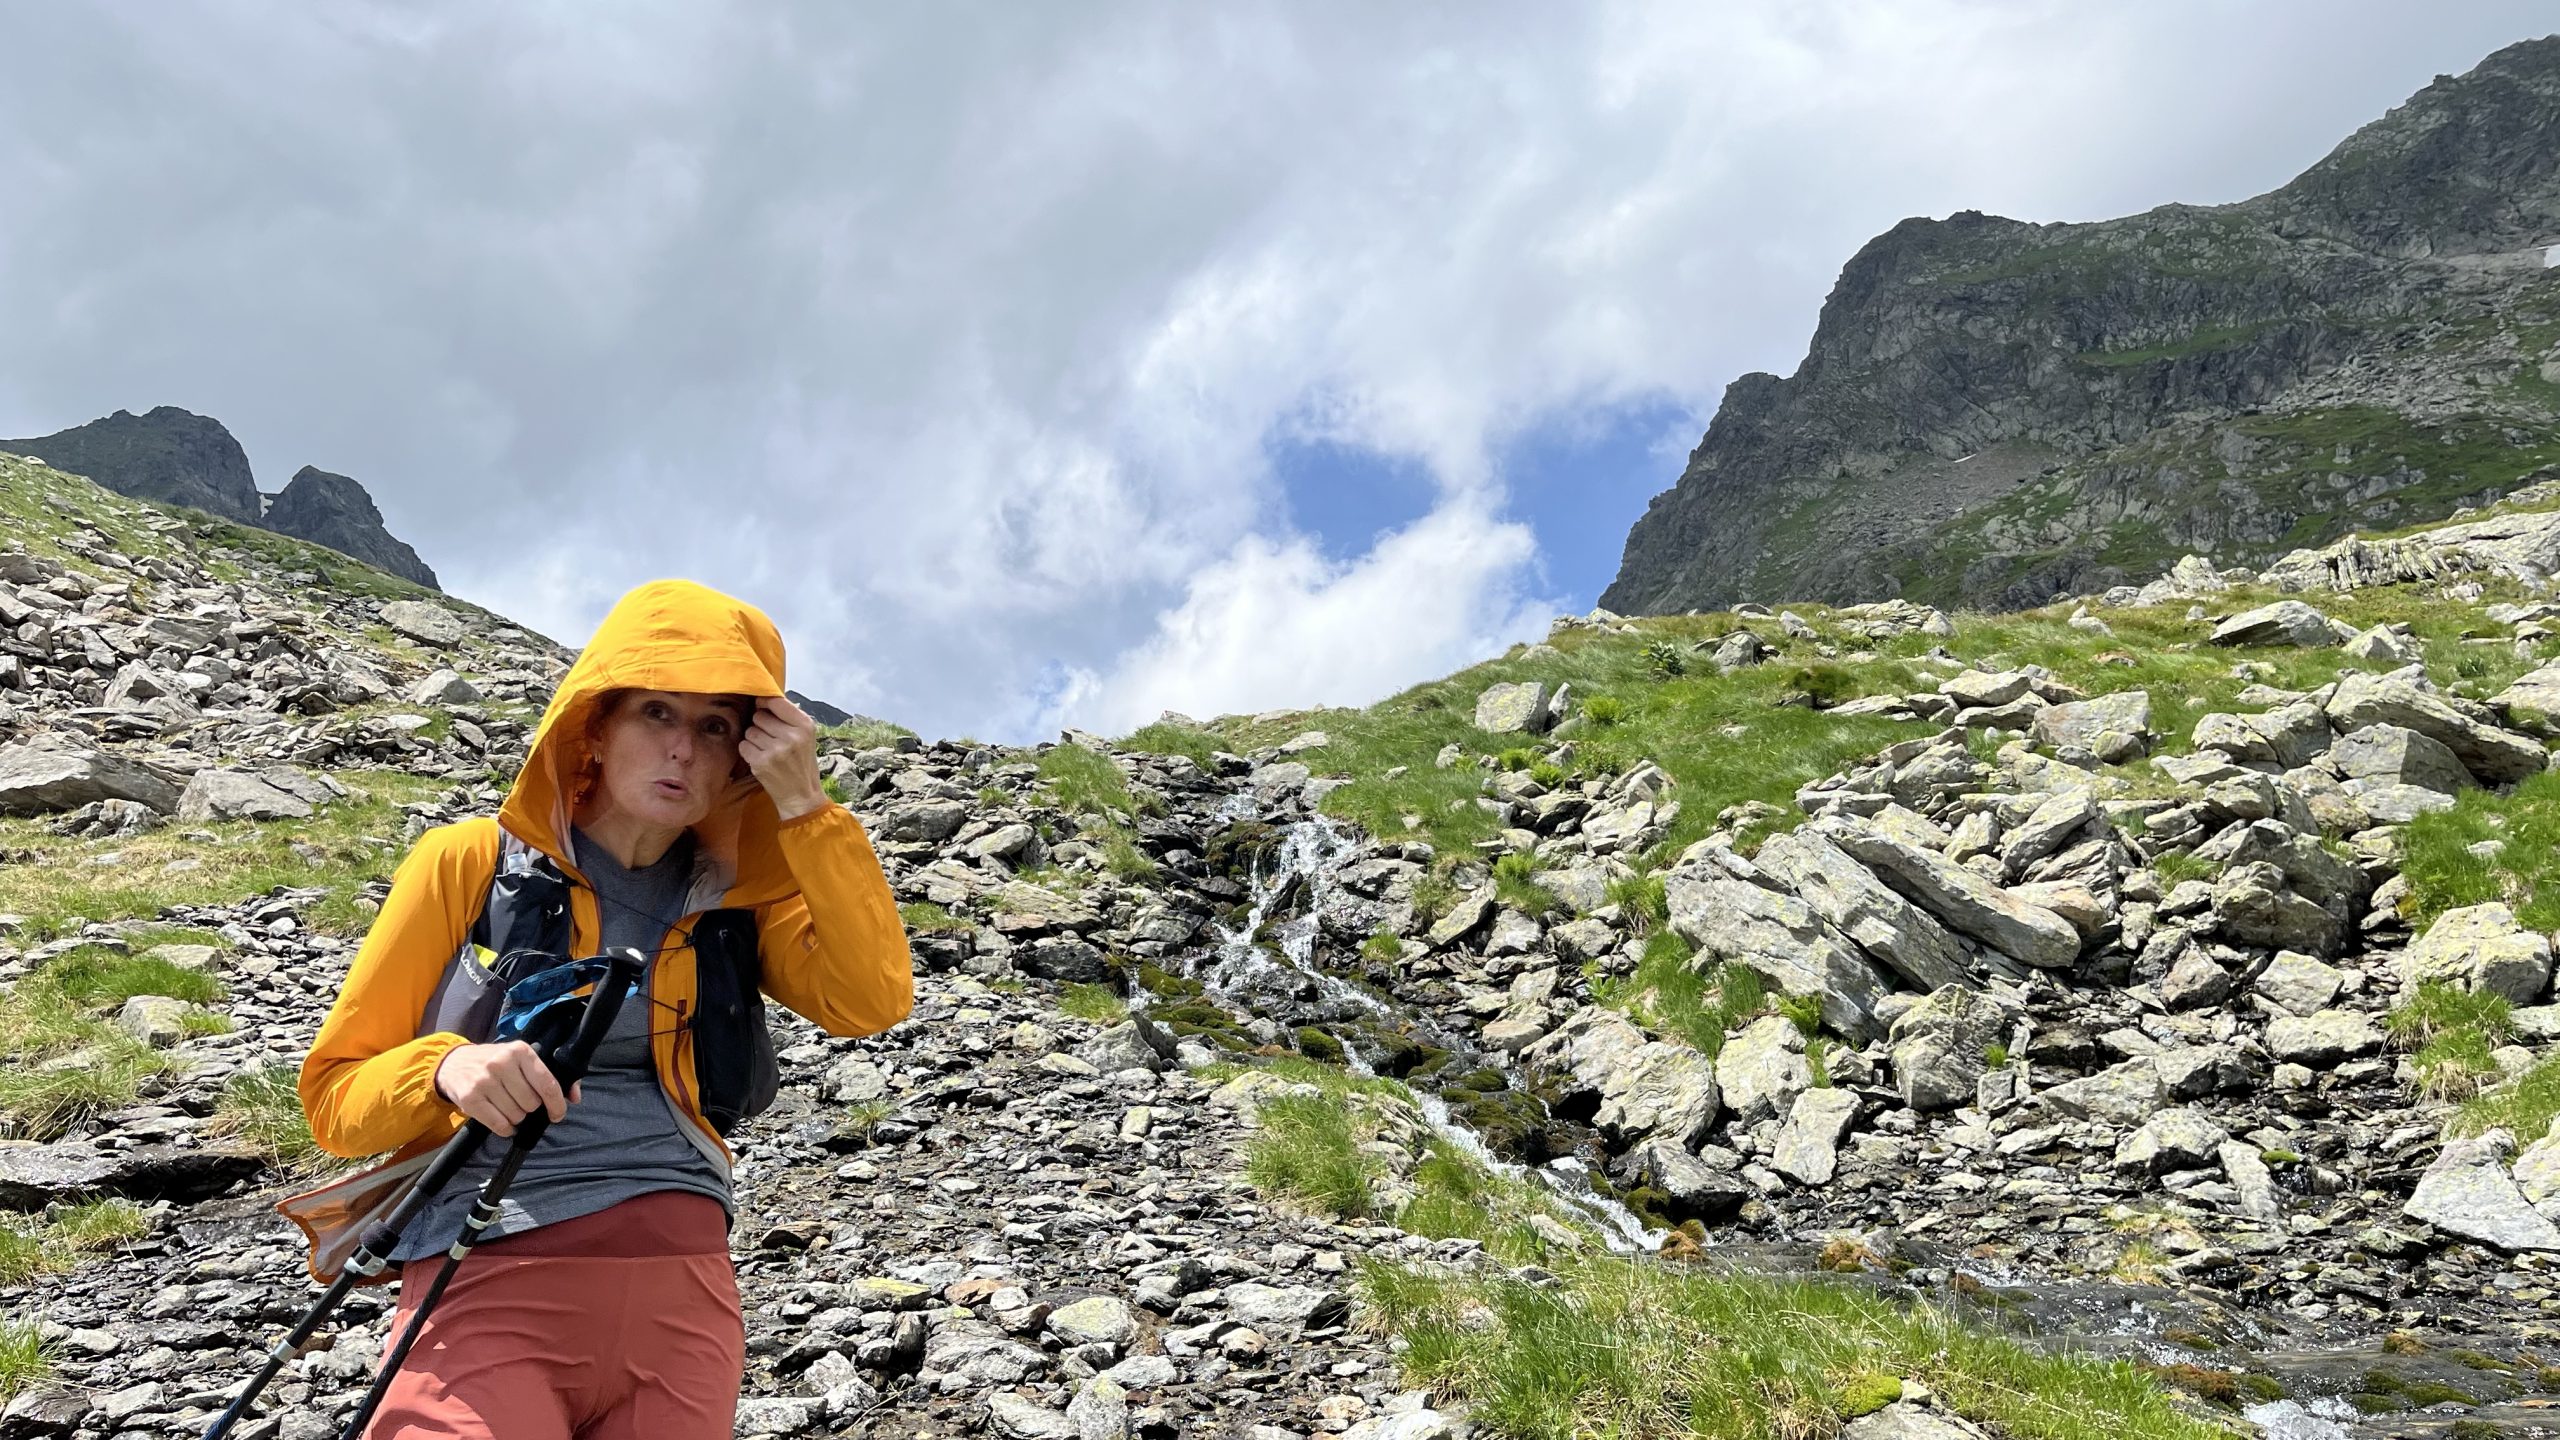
x=1578 y=477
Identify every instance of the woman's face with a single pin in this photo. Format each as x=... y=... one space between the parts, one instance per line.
x=667 y=755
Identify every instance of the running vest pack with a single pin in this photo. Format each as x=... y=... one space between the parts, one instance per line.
x=524 y=928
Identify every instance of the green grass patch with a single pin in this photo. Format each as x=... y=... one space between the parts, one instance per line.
x=1122 y=857
x=2199 y=342
x=1098 y=1003
x=1669 y=996
x=98 y=1225
x=2444 y=874
x=23 y=1361
x=1086 y=782
x=32 y=1246
x=2441 y=1007
x=862 y=732
x=1308 y=1151
x=926 y=918
x=100 y=978
x=358 y=839
x=1644 y=900
x=2524 y=1106
x=264 y=1107
x=1638 y=1350
x=1168 y=738
x=1511 y=882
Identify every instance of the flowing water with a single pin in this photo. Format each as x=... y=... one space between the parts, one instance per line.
x=1265 y=963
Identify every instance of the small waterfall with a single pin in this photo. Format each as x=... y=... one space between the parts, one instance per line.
x=1241 y=965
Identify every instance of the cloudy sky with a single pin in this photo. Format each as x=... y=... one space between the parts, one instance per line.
x=1060 y=364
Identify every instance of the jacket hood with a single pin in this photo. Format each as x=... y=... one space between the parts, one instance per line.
x=665 y=635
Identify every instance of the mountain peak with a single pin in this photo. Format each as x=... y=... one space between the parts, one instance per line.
x=333 y=510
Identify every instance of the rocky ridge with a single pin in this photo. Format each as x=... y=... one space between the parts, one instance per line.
x=174 y=457
x=1995 y=413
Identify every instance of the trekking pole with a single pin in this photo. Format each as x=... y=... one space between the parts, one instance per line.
x=602 y=1006
x=568 y=1062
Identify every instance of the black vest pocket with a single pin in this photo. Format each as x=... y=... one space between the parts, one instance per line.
x=733 y=1060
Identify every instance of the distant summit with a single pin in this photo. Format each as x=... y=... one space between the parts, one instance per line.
x=335 y=511
x=168 y=455
x=178 y=457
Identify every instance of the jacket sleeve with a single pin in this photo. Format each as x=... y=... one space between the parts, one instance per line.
x=837 y=951
x=368 y=1084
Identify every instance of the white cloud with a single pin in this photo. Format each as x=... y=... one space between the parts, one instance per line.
x=958 y=346
x=1274 y=625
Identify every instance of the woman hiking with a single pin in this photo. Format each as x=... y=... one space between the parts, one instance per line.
x=670 y=802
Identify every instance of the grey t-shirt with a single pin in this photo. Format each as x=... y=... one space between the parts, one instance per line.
x=621 y=1139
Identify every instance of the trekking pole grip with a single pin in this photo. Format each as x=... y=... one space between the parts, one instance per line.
x=569 y=1062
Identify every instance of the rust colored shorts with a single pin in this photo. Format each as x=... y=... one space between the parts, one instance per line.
x=619 y=1325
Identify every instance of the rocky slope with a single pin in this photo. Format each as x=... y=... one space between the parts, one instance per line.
x=177 y=458
x=2079 y=1002
x=1995 y=413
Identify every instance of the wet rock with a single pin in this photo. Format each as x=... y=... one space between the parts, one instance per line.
x=1694 y=1189
x=34 y=1176
x=2481 y=948
x=2468 y=1193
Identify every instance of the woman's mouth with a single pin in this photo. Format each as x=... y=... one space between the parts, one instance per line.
x=672 y=789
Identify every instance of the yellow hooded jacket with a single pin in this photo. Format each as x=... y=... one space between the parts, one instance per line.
x=830 y=939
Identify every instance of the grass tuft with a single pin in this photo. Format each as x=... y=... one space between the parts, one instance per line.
x=264 y=1107
x=1307 y=1151
x=1098 y=1003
